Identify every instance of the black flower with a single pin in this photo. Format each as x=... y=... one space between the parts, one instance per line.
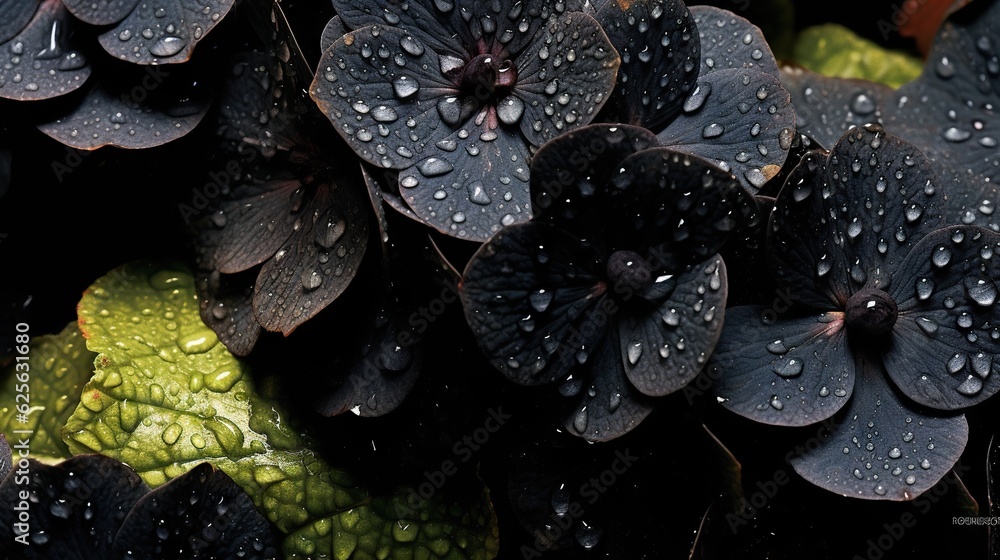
x=92 y=506
x=949 y=112
x=704 y=80
x=895 y=326
x=456 y=96
x=288 y=237
x=616 y=286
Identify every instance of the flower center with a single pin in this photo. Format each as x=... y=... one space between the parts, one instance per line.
x=628 y=272
x=485 y=74
x=870 y=311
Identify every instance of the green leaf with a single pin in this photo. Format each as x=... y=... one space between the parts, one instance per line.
x=167 y=395
x=836 y=51
x=49 y=383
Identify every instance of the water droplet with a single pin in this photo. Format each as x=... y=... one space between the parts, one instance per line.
x=634 y=352
x=223 y=379
x=331 y=232
x=167 y=46
x=776 y=403
x=615 y=401
x=172 y=433
x=587 y=536
x=477 y=193
x=927 y=325
x=944 y=68
x=789 y=368
x=777 y=347
x=411 y=45
x=540 y=300
x=861 y=104
x=823 y=266
x=983 y=292
x=941 y=257
x=198 y=342
x=433 y=167
x=713 y=130
x=957 y=362
x=971 y=386
x=580 y=421
x=510 y=110
x=405 y=86
x=697 y=97
x=672 y=318
x=953 y=134
x=384 y=113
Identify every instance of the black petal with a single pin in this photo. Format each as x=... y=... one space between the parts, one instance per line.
x=665 y=348
x=787 y=371
x=949 y=112
x=825 y=108
x=241 y=233
x=335 y=29
x=607 y=406
x=200 y=514
x=41 y=61
x=316 y=264
x=474 y=190
x=380 y=87
x=74 y=510
x=103 y=13
x=17 y=14
x=682 y=208
x=660 y=54
x=882 y=448
x=258 y=107
x=226 y=306
x=946 y=341
x=533 y=297
x=163 y=32
x=847 y=222
x=572 y=171
x=565 y=75
x=426 y=22
x=136 y=108
x=741 y=118
x=455 y=30
x=381 y=378
x=730 y=41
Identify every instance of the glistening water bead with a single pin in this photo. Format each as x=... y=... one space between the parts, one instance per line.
x=870 y=311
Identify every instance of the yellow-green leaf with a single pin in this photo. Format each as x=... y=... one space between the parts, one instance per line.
x=836 y=51
x=47 y=384
x=167 y=395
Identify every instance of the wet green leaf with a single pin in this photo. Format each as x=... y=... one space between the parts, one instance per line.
x=167 y=395
x=48 y=382
x=837 y=51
